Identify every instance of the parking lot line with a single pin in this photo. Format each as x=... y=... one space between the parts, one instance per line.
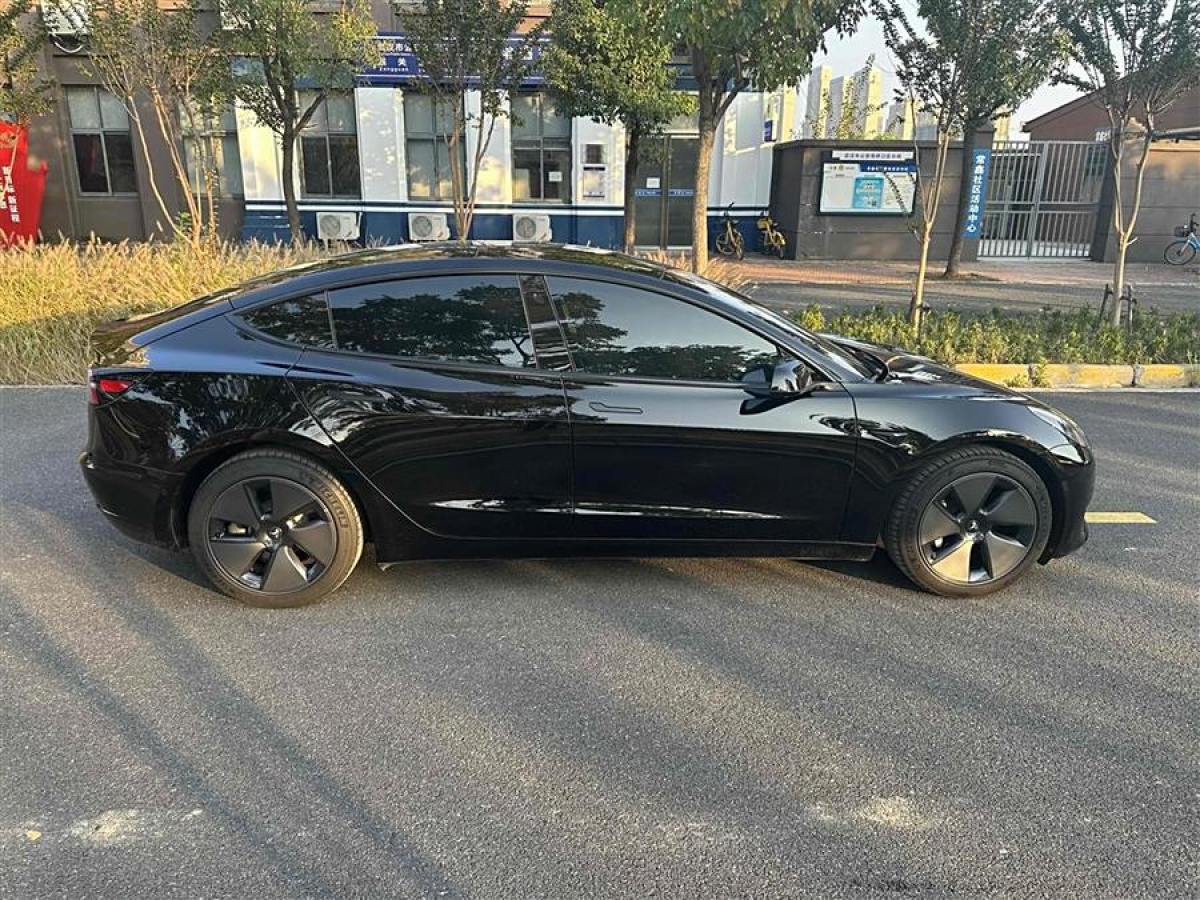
x=1118 y=518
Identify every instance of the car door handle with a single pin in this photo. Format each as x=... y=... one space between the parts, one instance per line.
x=623 y=410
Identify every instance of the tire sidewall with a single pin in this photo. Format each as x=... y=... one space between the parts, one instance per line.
x=310 y=475
x=902 y=539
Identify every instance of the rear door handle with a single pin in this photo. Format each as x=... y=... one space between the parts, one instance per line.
x=623 y=410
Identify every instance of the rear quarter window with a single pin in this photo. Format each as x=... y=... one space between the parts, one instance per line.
x=301 y=320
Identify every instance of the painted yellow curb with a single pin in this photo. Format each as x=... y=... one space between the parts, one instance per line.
x=1086 y=375
x=1164 y=375
x=999 y=373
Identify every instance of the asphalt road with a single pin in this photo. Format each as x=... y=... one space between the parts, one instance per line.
x=969 y=295
x=561 y=729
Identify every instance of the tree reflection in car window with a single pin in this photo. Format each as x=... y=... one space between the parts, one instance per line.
x=618 y=330
x=301 y=320
x=467 y=318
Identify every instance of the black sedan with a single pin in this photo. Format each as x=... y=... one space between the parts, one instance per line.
x=483 y=400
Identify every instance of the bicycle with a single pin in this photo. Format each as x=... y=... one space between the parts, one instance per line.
x=773 y=240
x=730 y=241
x=1182 y=252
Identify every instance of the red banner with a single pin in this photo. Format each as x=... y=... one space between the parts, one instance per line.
x=21 y=187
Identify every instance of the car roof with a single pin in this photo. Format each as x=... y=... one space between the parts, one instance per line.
x=414 y=259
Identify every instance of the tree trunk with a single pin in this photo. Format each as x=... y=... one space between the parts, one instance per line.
x=916 y=305
x=632 y=139
x=289 y=186
x=967 y=172
x=704 y=149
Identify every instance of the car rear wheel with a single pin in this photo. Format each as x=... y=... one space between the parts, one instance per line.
x=273 y=528
x=970 y=522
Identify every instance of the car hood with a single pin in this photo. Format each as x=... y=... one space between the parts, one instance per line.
x=912 y=368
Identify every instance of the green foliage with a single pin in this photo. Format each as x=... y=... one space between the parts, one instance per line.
x=23 y=93
x=733 y=44
x=972 y=60
x=609 y=61
x=1051 y=336
x=275 y=45
x=1139 y=56
x=461 y=45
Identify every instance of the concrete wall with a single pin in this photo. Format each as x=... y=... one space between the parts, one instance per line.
x=1170 y=193
x=795 y=192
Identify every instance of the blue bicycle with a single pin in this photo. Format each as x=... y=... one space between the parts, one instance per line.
x=1180 y=253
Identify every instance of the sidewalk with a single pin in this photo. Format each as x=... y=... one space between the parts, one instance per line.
x=1011 y=286
x=1074 y=272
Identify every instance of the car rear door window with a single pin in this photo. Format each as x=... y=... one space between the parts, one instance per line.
x=300 y=320
x=460 y=318
x=614 y=329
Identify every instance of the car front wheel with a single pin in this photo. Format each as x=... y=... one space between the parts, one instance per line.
x=970 y=522
x=273 y=528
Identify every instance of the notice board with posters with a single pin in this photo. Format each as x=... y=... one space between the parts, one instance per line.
x=867 y=182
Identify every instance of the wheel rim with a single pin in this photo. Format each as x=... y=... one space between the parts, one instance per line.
x=271 y=535
x=978 y=529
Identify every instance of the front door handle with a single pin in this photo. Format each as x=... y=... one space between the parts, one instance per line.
x=622 y=410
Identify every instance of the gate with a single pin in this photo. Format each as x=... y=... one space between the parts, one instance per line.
x=1042 y=198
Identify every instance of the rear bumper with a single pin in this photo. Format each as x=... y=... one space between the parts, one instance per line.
x=134 y=499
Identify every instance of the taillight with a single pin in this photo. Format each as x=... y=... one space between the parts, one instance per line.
x=101 y=389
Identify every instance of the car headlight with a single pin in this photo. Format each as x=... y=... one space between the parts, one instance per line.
x=1065 y=424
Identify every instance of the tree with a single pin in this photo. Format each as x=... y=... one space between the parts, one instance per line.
x=273 y=47
x=609 y=61
x=1136 y=58
x=23 y=92
x=463 y=45
x=159 y=63
x=736 y=44
x=1019 y=45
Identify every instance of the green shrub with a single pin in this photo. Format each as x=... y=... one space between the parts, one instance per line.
x=1048 y=336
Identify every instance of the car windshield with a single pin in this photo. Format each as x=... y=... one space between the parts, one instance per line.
x=843 y=360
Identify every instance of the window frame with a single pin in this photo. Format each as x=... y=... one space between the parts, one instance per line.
x=782 y=350
x=211 y=130
x=241 y=316
x=322 y=131
x=102 y=133
x=539 y=144
x=437 y=140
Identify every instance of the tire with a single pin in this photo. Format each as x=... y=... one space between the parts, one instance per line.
x=739 y=245
x=730 y=244
x=297 y=515
x=1180 y=253
x=780 y=244
x=955 y=533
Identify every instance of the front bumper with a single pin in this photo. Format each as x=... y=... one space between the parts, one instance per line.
x=1077 y=470
x=136 y=500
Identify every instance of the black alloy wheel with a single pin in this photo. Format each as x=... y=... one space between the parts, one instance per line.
x=273 y=528
x=969 y=522
x=978 y=529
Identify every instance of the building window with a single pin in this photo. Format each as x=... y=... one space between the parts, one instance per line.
x=210 y=149
x=541 y=141
x=103 y=146
x=426 y=152
x=329 y=149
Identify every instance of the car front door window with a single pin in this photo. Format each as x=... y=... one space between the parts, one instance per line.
x=615 y=329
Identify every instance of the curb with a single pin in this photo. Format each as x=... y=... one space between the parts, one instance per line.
x=1084 y=375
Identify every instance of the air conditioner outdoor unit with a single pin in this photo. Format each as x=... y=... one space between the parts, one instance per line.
x=428 y=227
x=337 y=226
x=65 y=17
x=531 y=227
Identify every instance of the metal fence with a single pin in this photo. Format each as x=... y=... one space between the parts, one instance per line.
x=1042 y=198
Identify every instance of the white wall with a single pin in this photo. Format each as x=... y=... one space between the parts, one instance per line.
x=380 y=112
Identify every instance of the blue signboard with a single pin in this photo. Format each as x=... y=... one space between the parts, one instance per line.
x=976 y=193
x=398 y=64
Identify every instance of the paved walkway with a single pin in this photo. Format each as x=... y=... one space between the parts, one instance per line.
x=1008 y=285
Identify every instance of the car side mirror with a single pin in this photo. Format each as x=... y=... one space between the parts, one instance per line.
x=790 y=376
